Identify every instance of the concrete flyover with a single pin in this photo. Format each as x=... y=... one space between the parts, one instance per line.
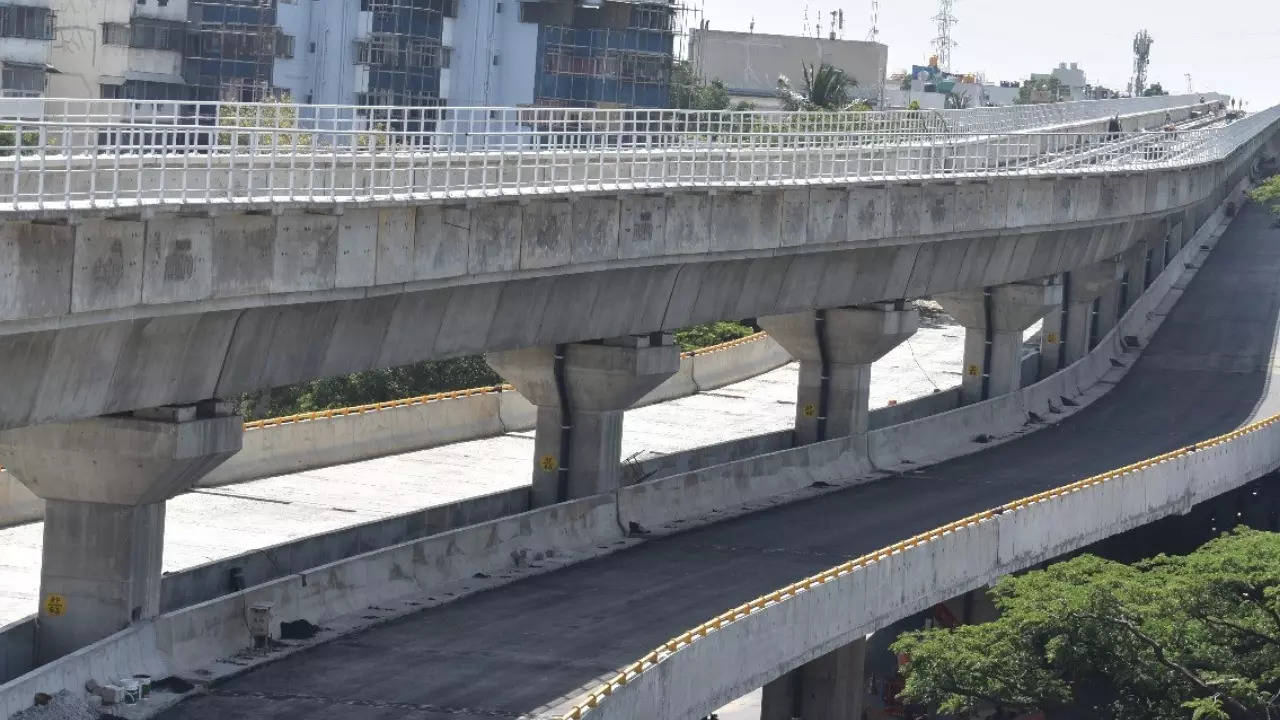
x=533 y=647
x=192 y=301
x=121 y=332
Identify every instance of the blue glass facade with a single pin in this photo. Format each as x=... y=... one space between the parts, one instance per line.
x=404 y=52
x=593 y=64
x=230 y=49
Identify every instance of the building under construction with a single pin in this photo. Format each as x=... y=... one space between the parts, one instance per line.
x=606 y=54
x=403 y=54
x=231 y=49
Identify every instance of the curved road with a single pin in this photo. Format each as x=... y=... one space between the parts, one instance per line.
x=527 y=647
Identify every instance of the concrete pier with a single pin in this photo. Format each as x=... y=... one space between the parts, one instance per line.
x=105 y=482
x=849 y=340
x=994 y=320
x=828 y=688
x=1070 y=331
x=597 y=381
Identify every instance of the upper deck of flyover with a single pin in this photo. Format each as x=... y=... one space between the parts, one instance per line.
x=183 y=301
x=533 y=646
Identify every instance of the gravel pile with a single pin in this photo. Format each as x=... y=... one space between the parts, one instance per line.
x=63 y=706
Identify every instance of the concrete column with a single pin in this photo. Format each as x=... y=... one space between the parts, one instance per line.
x=994 y=320
x=598 y=381
x=105 y=482
x=828 y=688
x=1109 y=309
x=1069 y=332
x=850 y=340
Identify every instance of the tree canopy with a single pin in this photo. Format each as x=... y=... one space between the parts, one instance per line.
x=1268 y=193
x=1195 y=636
x=1154 y=90
x=823 y=87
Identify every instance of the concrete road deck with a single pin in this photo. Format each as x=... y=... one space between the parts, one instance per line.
x=527 y=647
x=210 y=524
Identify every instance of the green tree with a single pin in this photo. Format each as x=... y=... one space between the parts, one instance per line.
x=1268 y=193
x=1195 y=636
x=1154 y=90
x=1027 y=93
x=958 y=101
x=825 y=87
x=700 y=336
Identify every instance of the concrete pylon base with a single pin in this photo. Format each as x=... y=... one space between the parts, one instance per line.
x=105 y=482
x=600 y=382
x=828 y=688
x=852 y=339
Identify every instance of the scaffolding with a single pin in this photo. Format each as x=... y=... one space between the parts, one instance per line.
x=231 y=50
x=618 y=54
x=404 y=53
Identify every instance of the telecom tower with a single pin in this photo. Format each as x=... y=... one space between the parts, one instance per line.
x=873 y=35
x=1141 y=59
x=943 y=43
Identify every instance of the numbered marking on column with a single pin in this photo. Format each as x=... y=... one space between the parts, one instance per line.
x=55 y=605
x=548 y=463
x=974 y=371
x=810 y=410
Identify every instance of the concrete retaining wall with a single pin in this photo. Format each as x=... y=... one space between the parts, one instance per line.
x=17 y=648
x=205 y=582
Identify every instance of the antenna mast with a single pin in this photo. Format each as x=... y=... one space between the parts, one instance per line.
x=945 y=19
x=873 y=35
x=1141 y=59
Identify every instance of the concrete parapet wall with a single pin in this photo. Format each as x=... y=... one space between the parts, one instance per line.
x=205 y=582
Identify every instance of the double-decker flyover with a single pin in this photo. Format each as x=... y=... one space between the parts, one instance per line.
x=533 y=645
x=128 y=320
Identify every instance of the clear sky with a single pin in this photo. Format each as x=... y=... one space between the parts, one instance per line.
x=1231 y=46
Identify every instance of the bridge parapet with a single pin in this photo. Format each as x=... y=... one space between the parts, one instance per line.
x=82 y=156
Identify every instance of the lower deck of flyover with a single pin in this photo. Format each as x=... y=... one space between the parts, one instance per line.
x=210 y=524
x=528 y=648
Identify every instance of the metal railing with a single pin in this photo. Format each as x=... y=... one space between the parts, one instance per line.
x=123 y=154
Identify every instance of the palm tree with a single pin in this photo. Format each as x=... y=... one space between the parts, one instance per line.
x=825 y=88
x=958 y=101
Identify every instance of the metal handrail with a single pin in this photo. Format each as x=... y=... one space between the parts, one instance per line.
x=67 y=165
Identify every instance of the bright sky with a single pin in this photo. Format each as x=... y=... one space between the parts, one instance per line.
x=1230 y=46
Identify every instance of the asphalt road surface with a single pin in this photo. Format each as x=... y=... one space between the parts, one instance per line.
x=525 y=647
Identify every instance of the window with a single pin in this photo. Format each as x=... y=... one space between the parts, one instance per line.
x=21 y=21
x=110 y=92
x=115 y=34
x=19 y=79
x=158 y=34
x=284 y=45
